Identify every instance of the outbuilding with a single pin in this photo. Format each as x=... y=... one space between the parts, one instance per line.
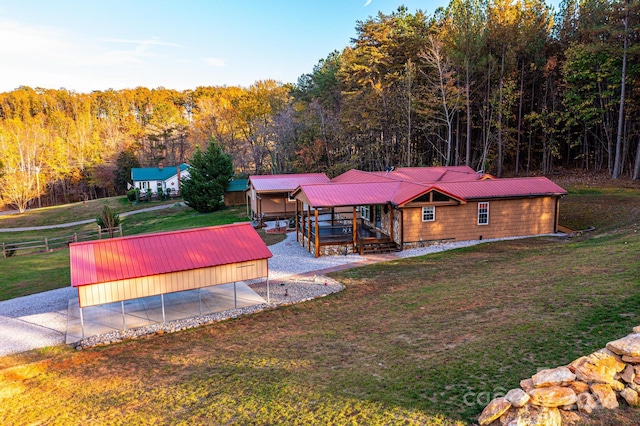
x=121 y=269
x=269 y=196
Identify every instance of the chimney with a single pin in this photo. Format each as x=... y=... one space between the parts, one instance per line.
x=178 y=178
x=160 y=166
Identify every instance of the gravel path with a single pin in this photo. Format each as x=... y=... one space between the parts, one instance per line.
x=34 y=321
x=40 y=320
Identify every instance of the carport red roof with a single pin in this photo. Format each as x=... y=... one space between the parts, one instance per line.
x=152 y=254
x=278 y=183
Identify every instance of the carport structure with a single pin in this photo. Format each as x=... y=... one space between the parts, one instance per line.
x=143 y=266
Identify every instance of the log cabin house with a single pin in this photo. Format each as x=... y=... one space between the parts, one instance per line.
x=368 y=212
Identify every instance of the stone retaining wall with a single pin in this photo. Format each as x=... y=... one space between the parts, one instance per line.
x=555 y=396
x=332 y=250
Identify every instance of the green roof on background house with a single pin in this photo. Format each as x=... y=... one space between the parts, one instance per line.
x=237 y=185
x=156 y=173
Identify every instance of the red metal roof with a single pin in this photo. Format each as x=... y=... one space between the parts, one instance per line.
x=357 y=194
x=503 y=188
x=433 y=174
x=283 y=183
x=358 y=176
x=151 y=254
x=409 y=191
x=399 y=192
x=350 y=194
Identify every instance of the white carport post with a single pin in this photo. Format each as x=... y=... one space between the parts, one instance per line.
x=268 y=297
x=81 y=322
x=235 y=296
x=162 y=303
x=124 y=323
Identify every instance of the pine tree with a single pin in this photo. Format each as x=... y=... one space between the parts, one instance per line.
x=126 y=161
x=210 y=173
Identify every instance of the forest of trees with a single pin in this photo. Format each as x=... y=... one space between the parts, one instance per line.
x=500 y=85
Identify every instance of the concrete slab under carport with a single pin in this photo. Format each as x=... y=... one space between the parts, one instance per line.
x=147 y=311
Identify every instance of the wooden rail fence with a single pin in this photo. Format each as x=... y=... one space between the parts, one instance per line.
x=48 y=244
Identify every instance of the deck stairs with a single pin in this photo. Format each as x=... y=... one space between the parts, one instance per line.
x=378 y=247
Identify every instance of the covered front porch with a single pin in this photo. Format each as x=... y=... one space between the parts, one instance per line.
x=342 y=230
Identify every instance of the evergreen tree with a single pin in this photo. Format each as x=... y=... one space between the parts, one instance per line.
x=126 y=161
x=209 y=177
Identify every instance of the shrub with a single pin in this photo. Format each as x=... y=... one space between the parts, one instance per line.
x=133 y=194
x=108 y=220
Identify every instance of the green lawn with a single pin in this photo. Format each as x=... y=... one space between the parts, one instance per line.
x=425 y=340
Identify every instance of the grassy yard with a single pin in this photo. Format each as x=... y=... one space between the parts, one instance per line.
x=425 y=340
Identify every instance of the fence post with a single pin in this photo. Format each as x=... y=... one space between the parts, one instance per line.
x=120 y=229
x=4 y=253
x=46 y=244
x=99 y=232
x=75 y=237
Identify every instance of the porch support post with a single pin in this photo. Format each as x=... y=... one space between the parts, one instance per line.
x=557 y=218
x=297 y=222
x=355 y=229
x=391 y=222
x=317 y=234
x=309 y=227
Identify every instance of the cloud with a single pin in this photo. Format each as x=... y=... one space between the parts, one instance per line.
x=19 y=39
x=153 y=41
x=215 y=62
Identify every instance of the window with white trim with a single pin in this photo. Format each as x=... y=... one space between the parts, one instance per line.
x=365 y=212
x=483 y=213
x=429 y=214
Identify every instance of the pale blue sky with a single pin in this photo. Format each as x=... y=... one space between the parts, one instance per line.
x=96 y=45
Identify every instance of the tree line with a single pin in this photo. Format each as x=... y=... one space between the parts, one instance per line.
x=503 y=86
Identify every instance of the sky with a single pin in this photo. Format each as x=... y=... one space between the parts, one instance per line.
x=181 y=44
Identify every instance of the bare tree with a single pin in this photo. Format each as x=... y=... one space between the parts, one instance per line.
x=443 y=95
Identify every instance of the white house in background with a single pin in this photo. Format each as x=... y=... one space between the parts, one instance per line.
x=159 y=178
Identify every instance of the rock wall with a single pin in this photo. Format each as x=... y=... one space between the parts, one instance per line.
x=556 y=396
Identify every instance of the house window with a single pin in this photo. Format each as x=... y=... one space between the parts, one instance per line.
x=483 y=213
x=428 y=214
x=365 y=212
